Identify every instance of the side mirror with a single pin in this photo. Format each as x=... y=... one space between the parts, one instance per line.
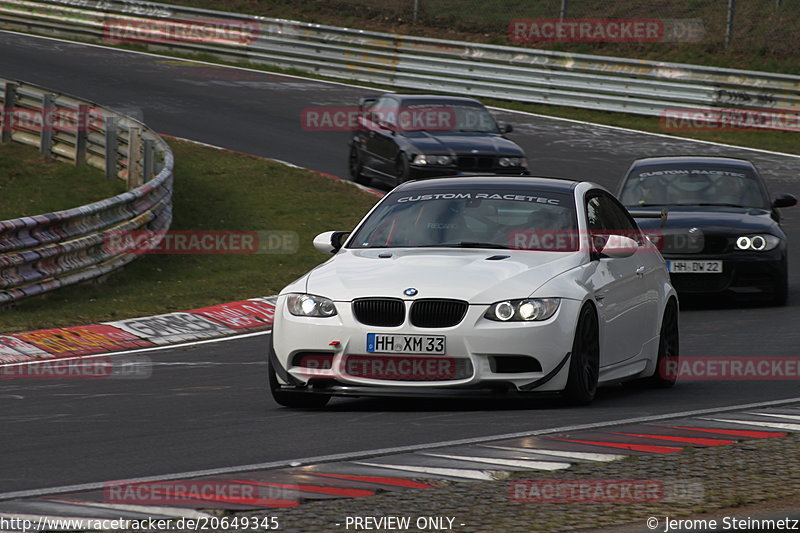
x=330 y=242
x=367 y=102
x=618 y=247
x=506 y=128
x=784 y=200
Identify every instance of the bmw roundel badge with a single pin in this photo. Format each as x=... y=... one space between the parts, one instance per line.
x=411 y=291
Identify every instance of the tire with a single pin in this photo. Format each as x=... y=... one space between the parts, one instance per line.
x=292 y=398
x=356 y=168
x=668 y=350
x=401 y=170
x=584 y=363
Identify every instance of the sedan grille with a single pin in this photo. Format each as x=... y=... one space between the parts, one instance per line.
x=385 y=312
x=437 y=313
x=475 y=163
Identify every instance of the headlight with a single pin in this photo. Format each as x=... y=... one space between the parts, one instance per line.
x=310 y=305
x=757 y=243
x=438 y=160
x=513 y=162
x=527 y=310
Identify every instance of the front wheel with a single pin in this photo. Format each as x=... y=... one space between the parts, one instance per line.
x=668 y=350
x=401 y=170
x=356 y=167
x=584 y=363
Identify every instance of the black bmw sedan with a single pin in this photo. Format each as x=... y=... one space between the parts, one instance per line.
x=715 y=223
x=403 y=137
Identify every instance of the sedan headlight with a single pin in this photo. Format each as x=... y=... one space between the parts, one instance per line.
x=310 y=305
x=527 y=310
x=512 y=162
x=437 y=160
x=757 y=243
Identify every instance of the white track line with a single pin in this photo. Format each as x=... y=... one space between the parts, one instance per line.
x=587 y=456
x=788 y=417
x=352 y=456
x=463 y=473
x=770 y=425
x=516 y=463
x=374 y=89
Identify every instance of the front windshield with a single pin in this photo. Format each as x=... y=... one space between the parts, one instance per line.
x=700 y=185
x=506 y=219
x=446 y=116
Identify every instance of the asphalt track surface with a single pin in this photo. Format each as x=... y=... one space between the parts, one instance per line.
x=207 y=406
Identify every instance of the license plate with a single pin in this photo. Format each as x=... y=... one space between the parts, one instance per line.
x=425 y=344
x=694 y=267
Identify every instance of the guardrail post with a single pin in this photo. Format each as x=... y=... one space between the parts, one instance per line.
x=46 y=135
x=9 y=102
x=729 y=25
x=149 y=160
x=82 y=135
x=135 y=169
x=112 y=147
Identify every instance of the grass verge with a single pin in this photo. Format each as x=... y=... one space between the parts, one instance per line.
x=31 y=185
x=214 y=190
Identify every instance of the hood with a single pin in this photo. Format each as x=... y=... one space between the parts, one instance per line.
x=463 y=143
x=707 y=229
x=716 y=219
x=464 y=274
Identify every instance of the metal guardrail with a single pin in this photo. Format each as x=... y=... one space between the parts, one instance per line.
x=406 y=62
x=44 y=252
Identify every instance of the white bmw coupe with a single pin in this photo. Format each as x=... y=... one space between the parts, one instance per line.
x=471 y=285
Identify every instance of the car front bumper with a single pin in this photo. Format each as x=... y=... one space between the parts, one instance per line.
x=482 y=356
x=751 y=274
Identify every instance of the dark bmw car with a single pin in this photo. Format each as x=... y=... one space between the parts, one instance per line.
x=403 y=137
x=715 y=224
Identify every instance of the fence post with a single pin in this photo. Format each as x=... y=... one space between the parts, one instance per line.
x=134 y=158
x=563 y=13
x=149 y=160
x=416 y=11
x=46 y=136
x=112 y=147
x=82 y=135
x=9 y=102
x=729 y=25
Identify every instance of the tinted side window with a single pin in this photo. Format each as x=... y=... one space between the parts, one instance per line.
x=604 y=215
x=385 y=112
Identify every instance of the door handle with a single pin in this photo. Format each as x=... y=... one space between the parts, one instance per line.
x=640 y=271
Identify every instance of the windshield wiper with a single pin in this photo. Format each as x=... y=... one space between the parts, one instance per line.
x=467 y=244
x=698 y=204
x=706 y=204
